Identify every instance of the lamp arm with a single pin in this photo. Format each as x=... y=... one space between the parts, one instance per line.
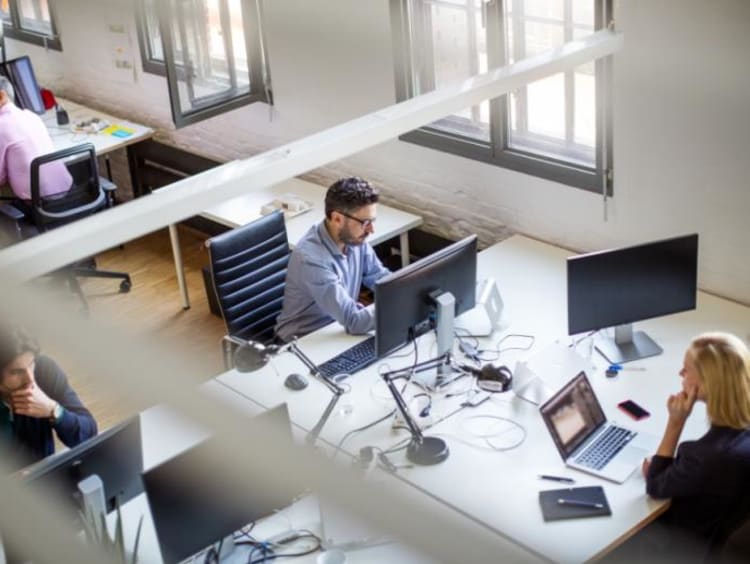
x=312 y=367
x=401 y=404
x=312 y=436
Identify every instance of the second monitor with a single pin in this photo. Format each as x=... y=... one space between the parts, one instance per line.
x=617 y=287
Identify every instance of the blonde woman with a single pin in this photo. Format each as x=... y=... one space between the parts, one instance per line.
x=708 y=480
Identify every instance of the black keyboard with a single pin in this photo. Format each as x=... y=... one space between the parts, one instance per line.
x=351 y=360
x=605 y=447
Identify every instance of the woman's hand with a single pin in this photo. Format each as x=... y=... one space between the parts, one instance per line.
x=681 y=405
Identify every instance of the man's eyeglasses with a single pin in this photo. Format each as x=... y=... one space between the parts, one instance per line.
x=365 y=223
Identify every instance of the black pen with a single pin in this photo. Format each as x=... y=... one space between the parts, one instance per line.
x=578 y=503
x=557 y=478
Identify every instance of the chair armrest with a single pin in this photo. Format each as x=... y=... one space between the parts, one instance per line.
x=107 y=185
x=12 y=212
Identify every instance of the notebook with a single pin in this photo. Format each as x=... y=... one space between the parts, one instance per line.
x=574 y=503
x=586 y=440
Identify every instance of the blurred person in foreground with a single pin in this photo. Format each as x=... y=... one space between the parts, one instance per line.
x=36 y=400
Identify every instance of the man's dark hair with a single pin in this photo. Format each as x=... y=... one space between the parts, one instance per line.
x=349 y=194
x=14 y=341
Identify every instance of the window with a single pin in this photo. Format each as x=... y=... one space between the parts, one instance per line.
x=211 y=52
x=556 y=128
x=32 y=21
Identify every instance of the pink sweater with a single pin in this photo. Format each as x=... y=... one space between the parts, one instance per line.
x=23 y=137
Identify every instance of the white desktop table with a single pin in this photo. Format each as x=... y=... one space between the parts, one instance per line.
x=64 y=136
x=242 y=210
x=500 y=488
x=165 y=433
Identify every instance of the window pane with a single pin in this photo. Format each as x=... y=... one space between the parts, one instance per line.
x=152 y=32
x=556 y=116
x=4 y=10
x=451 y=46
x=34 y=16
x=209 y=47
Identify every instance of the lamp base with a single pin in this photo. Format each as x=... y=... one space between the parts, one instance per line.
x=428 y=451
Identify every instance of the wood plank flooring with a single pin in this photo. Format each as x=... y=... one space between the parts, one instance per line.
x=153 y=306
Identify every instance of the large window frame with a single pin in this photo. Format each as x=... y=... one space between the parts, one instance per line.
x=16 y=27
x=461 y=136
x=161 y=24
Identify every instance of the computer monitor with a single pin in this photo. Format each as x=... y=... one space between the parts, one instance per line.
x=618 y=287
x=409 y=301
x=21 y=74
x=193 y=508
x=115 y=455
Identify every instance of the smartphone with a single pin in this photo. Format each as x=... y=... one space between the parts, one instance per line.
x=633 y=409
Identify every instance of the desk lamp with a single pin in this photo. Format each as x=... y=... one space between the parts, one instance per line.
x=250 y=356
x=421 y=450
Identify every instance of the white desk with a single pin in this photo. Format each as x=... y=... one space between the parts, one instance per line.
x=244 y=209
x=64 y=136
x=500 y=489
x=165 y=434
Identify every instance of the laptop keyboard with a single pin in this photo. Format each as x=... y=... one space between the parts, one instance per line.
x=604 y=448
x=351 y=360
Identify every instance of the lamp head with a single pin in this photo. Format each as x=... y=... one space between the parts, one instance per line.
x=251 y=356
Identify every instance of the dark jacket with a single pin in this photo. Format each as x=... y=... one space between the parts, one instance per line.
x=706 y=481
x=31 y=438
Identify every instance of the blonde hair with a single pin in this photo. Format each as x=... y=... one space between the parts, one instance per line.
x=723 y=365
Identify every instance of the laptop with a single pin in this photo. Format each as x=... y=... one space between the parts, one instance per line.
x=586 y=440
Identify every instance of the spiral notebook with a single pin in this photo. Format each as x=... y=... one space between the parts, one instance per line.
x=577 y=502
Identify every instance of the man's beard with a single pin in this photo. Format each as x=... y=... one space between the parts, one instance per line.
x=346 y=237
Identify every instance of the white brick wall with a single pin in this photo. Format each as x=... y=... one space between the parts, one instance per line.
x=682 y=125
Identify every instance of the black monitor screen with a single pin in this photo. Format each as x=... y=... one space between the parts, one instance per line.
x=21 y=74
x=192 y=507
x=402 y=299
x=621 y=286
x=115 y=456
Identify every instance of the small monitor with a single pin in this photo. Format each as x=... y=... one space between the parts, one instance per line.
x=115 y=455
x=405 y=303
x=616 y=288
x=193 y=508
x=21 y=74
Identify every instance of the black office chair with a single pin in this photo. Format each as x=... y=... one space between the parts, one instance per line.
x=88 y=194
x=248 y=270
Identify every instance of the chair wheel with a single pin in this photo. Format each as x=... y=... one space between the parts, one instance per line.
x=125 y=286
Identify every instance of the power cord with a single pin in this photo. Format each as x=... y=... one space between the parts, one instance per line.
x=487 y=437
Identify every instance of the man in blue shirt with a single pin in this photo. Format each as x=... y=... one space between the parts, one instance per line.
x=331 y=262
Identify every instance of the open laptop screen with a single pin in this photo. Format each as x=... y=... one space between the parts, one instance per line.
x=573 y=414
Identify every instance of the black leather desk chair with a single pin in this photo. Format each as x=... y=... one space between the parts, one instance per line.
x=88 y=194
x=248 y=270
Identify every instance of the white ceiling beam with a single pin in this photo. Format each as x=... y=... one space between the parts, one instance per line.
x=190 y=196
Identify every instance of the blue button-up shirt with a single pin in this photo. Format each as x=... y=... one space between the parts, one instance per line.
x=322 y=285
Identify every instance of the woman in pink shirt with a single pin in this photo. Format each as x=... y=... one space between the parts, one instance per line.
x=23 y=137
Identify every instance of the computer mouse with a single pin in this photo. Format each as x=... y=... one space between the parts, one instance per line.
x=296 y=382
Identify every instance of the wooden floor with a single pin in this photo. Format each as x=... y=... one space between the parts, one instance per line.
x=154 y=306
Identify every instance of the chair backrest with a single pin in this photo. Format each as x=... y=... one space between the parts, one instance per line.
x=248 y=270
x=84 y=197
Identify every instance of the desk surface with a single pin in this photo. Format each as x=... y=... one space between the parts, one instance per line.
x=166 y=433
x=64 y=136
x=500 y=488
x=244 y=209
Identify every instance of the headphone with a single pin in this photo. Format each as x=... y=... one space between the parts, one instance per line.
x=492 y=378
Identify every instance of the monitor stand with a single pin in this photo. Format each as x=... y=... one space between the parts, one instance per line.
x=445 y=307
x=627 y=345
